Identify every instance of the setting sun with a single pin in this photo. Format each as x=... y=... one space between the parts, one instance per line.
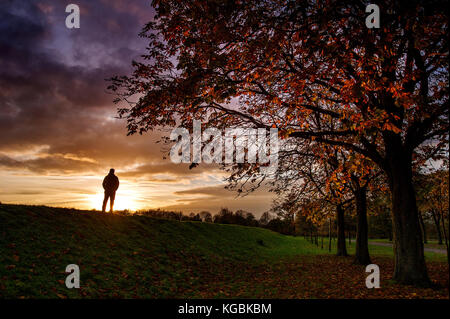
x=124 y=200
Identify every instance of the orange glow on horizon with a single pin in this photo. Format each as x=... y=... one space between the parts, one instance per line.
x=124 y=201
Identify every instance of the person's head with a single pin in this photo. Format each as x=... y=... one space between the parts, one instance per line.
x=111 y=171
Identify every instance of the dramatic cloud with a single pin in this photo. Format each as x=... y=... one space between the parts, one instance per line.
x=53 y=90
x=57 y=118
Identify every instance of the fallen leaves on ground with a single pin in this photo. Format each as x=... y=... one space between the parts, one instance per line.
x=313 y=277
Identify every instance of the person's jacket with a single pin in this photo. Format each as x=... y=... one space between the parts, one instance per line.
x=111 y=183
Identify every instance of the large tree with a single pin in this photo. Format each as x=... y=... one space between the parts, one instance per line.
x=381 y=92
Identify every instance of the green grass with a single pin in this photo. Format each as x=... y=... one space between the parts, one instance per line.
x=136 y=256
x=431 y=243
x=36 y=244
x=374 y=250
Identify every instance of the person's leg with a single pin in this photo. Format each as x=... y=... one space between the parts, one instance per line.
x=105 y=200
x=111 y=201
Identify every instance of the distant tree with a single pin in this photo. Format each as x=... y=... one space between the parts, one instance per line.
x=251 y=220
x=194 y=217
x=265 y=218
x=280 y=226
x=240 y=217
x=304 y=226
x=224 y=216
x=313 y=182
x=206 y=216
x=380 y=221
x=437 y=218
x=364 y=179
x=435 y=194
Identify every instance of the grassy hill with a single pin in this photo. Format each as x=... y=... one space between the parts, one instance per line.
x=137 y=256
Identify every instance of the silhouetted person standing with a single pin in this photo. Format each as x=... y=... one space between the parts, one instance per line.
x=110 y=184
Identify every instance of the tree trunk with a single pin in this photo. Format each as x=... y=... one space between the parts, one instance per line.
x=409 y=260
x=422 y=227
x=446 y=243
x=329 y=234
x=362 y=256
x=437 y=223
x=341 y=248
x=446 y=239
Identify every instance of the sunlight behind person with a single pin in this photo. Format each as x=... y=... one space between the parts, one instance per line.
x=124 y=200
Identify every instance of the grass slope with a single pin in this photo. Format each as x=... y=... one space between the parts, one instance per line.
x=137 y=256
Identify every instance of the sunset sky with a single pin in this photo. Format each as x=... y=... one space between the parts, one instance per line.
x=58 y=126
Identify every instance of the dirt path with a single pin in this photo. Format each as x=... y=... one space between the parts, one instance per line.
x=433 y=250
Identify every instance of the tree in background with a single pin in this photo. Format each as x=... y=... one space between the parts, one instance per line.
x=240 y=217
x=380 y=220
x=224 y=216
x=265 y=218
x=357 y=174
x=206 y=216
x=433 y=189
x=309 y=184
